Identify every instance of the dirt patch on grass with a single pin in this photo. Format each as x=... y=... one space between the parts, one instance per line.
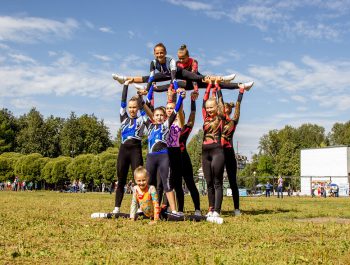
x=321 y=220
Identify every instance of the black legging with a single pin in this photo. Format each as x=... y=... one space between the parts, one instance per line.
x=180 y=74
x=187 y=173
x=213 y=161
x=231 y=169
x=159 y=164
x=176 y=176
x=129 y=154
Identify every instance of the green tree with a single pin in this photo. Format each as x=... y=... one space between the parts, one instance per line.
x=311 y=136
x=108 y=161
x=55 y=171
x=265 y=166
x=282 y=147
x=72 y=137
x=95 y=134
x=31 y=138
x=340 y=134
x=8 y=130
x=29 y=167
x=7 y=165
x=53 y=127
x=194 y=149
x=82 y=167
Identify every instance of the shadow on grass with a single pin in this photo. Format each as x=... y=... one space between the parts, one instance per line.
x=260 y=211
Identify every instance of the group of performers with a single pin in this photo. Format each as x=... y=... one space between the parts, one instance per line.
x=168 y=162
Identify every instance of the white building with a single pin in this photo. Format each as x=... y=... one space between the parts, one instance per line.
x=325 y=168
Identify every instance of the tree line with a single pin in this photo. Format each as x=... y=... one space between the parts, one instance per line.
x=55 y=150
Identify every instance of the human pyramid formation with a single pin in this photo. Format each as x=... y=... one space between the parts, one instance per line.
x=168 y=161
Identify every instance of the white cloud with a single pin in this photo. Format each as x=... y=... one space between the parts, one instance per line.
x=131 y=34
x=106 y=30
x=269 y=39
x=316 y=31
x=34 y=29
x=89 y=24
x=219 y=60
x=102 y=57
x=299 y=98
x=64 y=76
x=323 y=82
x=4 y=46
x=24 y=103
x=288 y=18
x=20 y=58
x=235 y=54
x=193 y=5
x=302 y=109
x=52 y=53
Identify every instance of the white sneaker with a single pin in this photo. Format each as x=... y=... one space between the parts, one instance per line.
x=209 y=214
x=99 y=215
x=216 y=220
x=228 y=78
x=139 y=210
x=197 y=213
x=116 y=210
x=180 y=213
x=139 y=86
x=237 y=212
x=120 y=78
x=216 y=214
x=248 y=85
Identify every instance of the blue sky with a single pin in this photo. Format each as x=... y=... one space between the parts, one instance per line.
x=58 y=56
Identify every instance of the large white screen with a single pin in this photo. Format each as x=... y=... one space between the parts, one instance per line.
x=324 y=162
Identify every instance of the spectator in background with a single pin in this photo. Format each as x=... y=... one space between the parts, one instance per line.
x=280 y=187
x=268 y=189
x=103 y=187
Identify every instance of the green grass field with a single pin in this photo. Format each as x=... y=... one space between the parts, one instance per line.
x=55 y=228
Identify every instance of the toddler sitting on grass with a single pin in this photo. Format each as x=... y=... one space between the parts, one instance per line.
x=145 y=198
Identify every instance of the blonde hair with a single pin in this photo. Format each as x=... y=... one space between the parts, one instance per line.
x=140 y=170
x=229 y=106
x=211 y=100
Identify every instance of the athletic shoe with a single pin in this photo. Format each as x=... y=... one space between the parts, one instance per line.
x=120 y=78
x=216 y=220
x=197 y=213
x=209 y=214
x=216 y=214
x=99 y=215
x=237 y=212
x=116 y=210
x=228 y=78
x=248 y=85
x=139 y=210
x=139 y=86
x=180 y=213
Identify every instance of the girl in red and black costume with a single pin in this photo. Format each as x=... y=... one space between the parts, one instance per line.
x=191 y=65
x=229 y=128
x=212 y=153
